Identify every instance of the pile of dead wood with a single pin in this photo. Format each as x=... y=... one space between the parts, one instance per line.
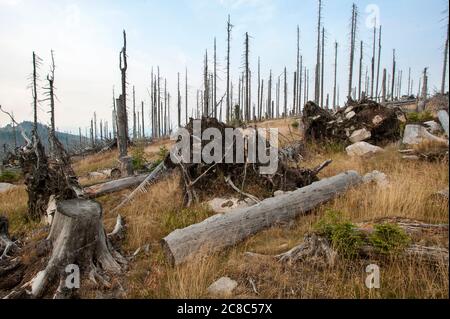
x=203 y=180
x=365 y=120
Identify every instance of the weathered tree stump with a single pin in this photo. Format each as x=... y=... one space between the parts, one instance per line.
x=78 y=238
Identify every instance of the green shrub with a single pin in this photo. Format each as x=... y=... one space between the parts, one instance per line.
x=389 y=238
x=295 y=124
x=9 y=177
x=419 y=117
x=138 y=158
x=343 y=235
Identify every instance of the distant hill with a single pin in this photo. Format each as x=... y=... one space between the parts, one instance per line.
x=69 y=141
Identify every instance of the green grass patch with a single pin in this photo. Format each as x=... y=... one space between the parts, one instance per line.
x=9 y=177
x=419 y=117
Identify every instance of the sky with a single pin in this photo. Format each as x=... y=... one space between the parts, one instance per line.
x=86 y=37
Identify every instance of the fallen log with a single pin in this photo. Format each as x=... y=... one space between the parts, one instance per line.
x=123 y=183
x=221 y=231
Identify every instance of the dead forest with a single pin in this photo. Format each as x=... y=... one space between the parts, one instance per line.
x=361 y=183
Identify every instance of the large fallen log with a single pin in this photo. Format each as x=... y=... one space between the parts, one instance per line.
x=221 y=231
x=123 y=183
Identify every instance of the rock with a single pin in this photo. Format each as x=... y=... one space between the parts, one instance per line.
x=377 y=120
x=350 y=115
x=377 y=177
x=362 y=149
x=4 y=187
x=222 y=287
x=360 y=135
x=224 y=205
x=416 y=134
x=278 y=193
x=433 y=127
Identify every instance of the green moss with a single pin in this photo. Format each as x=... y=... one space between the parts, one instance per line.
x=295 y=124
x=389 y=238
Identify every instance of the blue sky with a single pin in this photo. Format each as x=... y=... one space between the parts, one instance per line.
x=86 y=37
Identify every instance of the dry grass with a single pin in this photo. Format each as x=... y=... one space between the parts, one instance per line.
x=95 y=163
x=153 y=215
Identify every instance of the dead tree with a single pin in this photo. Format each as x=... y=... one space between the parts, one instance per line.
x=51 y=98
x=352 y=49
x=294 y=90
x=143 y=123
x=123 y=69
x=214 y=81
x=229 y=28
x=259 y=89
x=444 y=67
x=335 y=75
x=393 y=75
x=179 y=101
x=409 y=82
x=296 y=99
x=206 y=86
x=247 y=79
x=378 y=63
x=186 y=97
x=219 y=232
x=134 y=115
x=425 y=84
x=383 y=87
x=360 y=71
x=36 y=62
x=317 y=76
x=373 y=60
x=322 y=71
x=285 y=93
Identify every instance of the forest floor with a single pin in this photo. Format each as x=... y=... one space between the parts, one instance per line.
x=154 y=214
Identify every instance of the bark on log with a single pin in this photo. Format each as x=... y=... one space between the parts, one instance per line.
x=221 y=231
x=124 y=183
x=113 y=186
x=78 y=238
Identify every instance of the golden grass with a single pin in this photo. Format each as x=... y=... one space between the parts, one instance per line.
x=95 y=163
x=153 y=215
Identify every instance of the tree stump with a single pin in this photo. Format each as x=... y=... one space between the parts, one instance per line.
x=126 y=166
x=78 y=238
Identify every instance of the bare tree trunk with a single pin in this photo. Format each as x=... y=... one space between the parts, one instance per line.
x=134 y=114
x=179 y=101
x=378 y=64
x=360 y=71
x=383 y=87
x=409 y=82
x=206 y=86
x=259 y=89
x=322 y=71
x=285 y=93
x=373 y=61
x=247 y=80
x=352 y=49
x=393 y=76
x=444 y=67
x=215 y=80
x=318 y=67
x=34 y=133
x=335 y=75
x=123 y=69
x=229 y=27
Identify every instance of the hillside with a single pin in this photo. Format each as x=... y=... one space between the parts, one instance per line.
x=7 y=137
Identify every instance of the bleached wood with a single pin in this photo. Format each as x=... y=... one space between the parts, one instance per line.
x=221 y=231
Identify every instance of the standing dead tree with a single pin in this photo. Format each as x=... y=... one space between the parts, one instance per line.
x=122 y=140
x=134 y=115
x=247 y=79
x=322 y=69
x=352 y=48
x=372 y=83
x=335 y=75
x=50 y=96
x=444 y=67
x=317 y=75
x=378 y=63
x=360 y=70
x=229 y=28
x=393 y=75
